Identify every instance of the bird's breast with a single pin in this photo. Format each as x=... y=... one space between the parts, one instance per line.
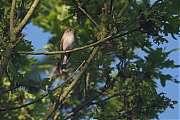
x=68 y=43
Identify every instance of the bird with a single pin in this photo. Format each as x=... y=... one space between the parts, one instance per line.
x=66 y=43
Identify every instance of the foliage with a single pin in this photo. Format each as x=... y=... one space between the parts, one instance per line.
x=113 y=83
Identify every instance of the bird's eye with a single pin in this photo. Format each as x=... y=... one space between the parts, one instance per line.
x=70 y=29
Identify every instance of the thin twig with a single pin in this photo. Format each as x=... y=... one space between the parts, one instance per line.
x=105 y=7
x=51 y=76
x=154 y=4
x=75 y=3
x=124 y=9
x=106 y=87
x=72 y=74
x=10 y=83
x=86 y=85
x=58 y=52
x=112 y=7
x=85 y=104
x=131 y=31
x=89 y=17
x=128 y=110
x=139 y=16
x=2 y=42
x=75 y=49
x=70 y=87
x=20 y=39
x=10 y=89
x=19 y=12
x=39 y=99
x=93 y=44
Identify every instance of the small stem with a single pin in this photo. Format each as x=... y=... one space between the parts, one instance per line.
x=124 y=9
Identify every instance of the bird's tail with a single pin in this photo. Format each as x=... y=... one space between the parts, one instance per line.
x=63 y=67
x=61 y=63
x=60 y=67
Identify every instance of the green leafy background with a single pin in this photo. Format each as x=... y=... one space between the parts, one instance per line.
x=129 y=80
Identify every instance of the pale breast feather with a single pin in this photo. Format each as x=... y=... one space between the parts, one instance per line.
x=68 y=43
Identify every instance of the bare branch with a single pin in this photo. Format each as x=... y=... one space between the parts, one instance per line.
x=58 y=52
x=76 y=49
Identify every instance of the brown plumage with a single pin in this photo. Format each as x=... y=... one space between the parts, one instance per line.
x=67 y=43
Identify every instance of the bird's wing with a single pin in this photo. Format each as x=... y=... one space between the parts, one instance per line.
x=62 y=55
x=61 y=44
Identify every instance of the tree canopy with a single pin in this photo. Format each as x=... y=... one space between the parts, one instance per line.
x=105 y=77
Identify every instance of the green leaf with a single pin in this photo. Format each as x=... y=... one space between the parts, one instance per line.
x=17 y=76
x=175 y=102
x=171 y=106
x=45 y=82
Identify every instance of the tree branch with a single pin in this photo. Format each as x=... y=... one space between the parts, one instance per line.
x=139 y=16
x=89 y=17
x=124 y=9
x=154 y=4
x=21 y=106
x=9 y=48
x=12 y=15
x=112 y=7
x=93 y=44
x=58 y=52
x=27 y=17
x=129 y=110
x=10 y=89
x=105 y=7
x=39 y=99
x=70 y=87
x=13 y=31
x=85 y=104
x=89 y=102
x=76 y=49
x=76 y=4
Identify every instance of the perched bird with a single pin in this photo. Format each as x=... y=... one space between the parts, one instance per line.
x=67 y=43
